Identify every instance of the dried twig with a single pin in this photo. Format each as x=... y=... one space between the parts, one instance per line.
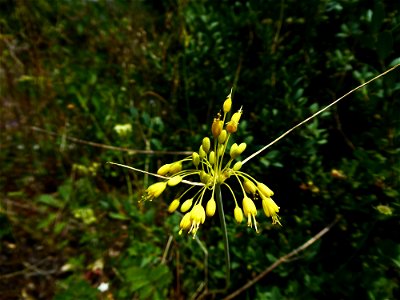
x=123 y=149
x=281 y=260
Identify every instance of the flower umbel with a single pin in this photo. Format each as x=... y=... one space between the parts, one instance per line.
x=212 y=168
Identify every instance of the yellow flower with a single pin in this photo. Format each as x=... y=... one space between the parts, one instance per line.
x=250 y=212
x=155 y=190
x=197 y=216
x=270 y=209
x=185 y=222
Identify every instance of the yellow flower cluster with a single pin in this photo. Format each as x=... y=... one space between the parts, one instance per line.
x=211 y=170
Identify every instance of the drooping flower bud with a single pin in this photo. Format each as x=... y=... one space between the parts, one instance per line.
x=204 y=177
x=196 y=159
x=206 y=144
x=174 y=180
x=211 y=157
x=237 y=166
x=186 y=205
x=216 y=127
x=164 y=169
x=233 y=151
x=264 y=189
x=222 y=136
x=249 y=186
x=241 y=148
x=176 y=167
x=202 y=153
x=220 y=150
x=211 y=207
x=173 y=206
x=238 y=213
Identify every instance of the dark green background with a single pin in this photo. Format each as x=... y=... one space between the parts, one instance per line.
x=78 y=68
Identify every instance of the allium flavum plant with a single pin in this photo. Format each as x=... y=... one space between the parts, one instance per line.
x=212 y=172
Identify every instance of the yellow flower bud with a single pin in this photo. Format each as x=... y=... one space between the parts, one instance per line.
x=233 y=151
x=241 y=148
x=176 y=167
x=204 y=177
x=186 y=205
x=211 y=207
x=249 y=187
x=236 y=116
x=237 y=166
x=164 y=169
x=174 y=180
x=227 y=104
x=238 y=213
x=263 y=189
x=216 y=127
x=220 y=150
x=222 y=136
x=196 y=159
x=173 y=206
x=211 y=157
x=206 y=144
x=202 y=153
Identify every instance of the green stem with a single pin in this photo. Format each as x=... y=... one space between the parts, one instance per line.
x=221 y=214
